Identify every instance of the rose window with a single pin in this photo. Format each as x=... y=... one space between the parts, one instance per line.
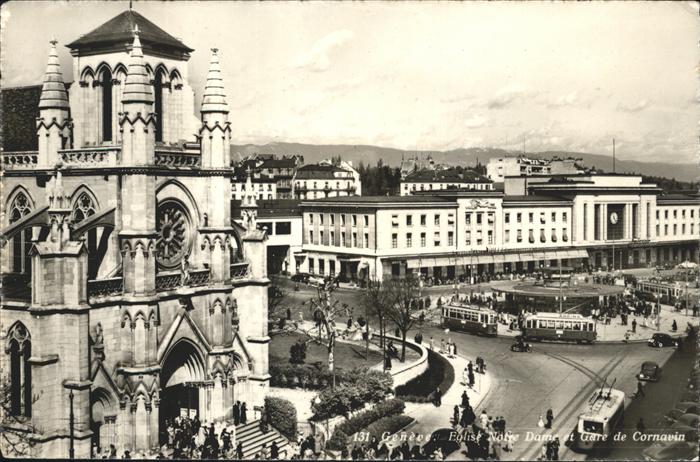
x=174 y=234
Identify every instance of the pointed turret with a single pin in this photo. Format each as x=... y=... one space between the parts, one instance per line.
x=214 y=97
x=53 y=91
x=215 y=134
x=137 y=123
x=249 y=204
x=137 y=88
x=53 y=125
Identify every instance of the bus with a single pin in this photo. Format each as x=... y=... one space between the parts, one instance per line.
x=469 y=318
x=601 y=414
x=556 y=326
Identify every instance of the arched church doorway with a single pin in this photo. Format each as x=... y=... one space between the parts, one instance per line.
x=102 y=418
x=182 y=374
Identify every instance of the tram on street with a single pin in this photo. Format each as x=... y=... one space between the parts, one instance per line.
x=601 y=414
x=560 y=326
x=469 y=318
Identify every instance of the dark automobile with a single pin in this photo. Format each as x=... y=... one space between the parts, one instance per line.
x=676 y=450
x=689 y=433
x=520 y=345
x=300 y=277
x=649 y=371
x=691 y=420
x=684 y=407
x=447 y=439
x=662 y=340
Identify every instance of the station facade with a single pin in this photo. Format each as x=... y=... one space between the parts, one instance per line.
x=583 y=220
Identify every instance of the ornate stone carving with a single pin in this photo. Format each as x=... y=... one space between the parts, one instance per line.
x=174 y=229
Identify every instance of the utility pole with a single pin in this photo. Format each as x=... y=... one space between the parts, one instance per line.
x=613 y=155
x=71 y=424
x=561 y=294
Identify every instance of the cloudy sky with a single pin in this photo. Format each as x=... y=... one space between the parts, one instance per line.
x=567 y=76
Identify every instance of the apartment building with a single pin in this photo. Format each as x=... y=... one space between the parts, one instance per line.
x=440 y=179
x=325 y=179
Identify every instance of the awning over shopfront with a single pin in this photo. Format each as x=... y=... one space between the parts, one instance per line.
x=497 y=258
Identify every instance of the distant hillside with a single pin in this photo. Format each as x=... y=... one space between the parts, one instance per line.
x=370 y=154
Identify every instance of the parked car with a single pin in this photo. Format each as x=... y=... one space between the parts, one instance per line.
x=684 y=407
x=690 y=433
x=671 y=450
x=650 y=371
x=300 y=277
x=662 y=340
x=691 y=420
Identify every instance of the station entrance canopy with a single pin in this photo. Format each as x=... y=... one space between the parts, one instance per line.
x=487 y=259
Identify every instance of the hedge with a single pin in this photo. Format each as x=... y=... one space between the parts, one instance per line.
x=312 y=377
x=282 y=415
x=389 y=425
x=362 y=420
x=369 y=387
x=439 y=373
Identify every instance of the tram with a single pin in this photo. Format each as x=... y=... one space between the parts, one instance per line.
x=468 y=318
x=602 y=413
x=556 y=326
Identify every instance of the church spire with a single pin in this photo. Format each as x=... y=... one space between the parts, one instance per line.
x=137 y=88
x=214 y=97
x=53 y=91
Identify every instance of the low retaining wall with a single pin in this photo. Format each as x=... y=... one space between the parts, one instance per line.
x=402 y=373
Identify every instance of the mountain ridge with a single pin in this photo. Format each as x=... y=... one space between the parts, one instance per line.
x=462 y=156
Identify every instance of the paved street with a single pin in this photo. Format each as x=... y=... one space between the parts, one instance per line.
x=556 y=376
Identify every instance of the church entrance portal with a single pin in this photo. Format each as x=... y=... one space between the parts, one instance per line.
x=181 y=377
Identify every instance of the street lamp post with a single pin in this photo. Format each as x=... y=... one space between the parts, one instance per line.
x=71 y=427
x=658 y=312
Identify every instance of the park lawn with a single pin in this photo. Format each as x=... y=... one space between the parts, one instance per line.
x=347 y=356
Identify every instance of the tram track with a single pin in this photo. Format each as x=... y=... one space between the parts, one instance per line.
x=572 y=409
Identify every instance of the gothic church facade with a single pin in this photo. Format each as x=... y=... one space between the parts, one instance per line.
x=129 y=295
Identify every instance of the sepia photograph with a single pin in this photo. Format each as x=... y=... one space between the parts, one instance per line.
x=345 y=230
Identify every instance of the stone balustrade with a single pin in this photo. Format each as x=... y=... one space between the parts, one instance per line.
x=105 y=287
x=177 y=159
x=239 y=270
x=19 y=159
x=88 y=157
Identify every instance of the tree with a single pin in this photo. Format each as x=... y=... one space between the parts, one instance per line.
x=325 y=310
x=378 y=299
x=15 y=431
x=403 y=293
x=276 y=297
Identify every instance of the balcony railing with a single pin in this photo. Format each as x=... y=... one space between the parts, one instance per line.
x=199 y=277
x=239 y=270
x=170 y=280
x=105 y=287
x=177 y=159
x=88 y=157
x=19 y=159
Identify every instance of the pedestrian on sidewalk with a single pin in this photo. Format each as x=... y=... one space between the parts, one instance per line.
x=471 y=379
x=634 y=326
x=432 y=344
x=674 y=326
x=540 y=422
x=465 y=399
x=484 y=419
x=641 y=428
x=455 y=415
x=640 y=389
x=627 y=336
x=550 y=418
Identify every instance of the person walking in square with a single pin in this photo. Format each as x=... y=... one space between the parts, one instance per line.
x=550 y=418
